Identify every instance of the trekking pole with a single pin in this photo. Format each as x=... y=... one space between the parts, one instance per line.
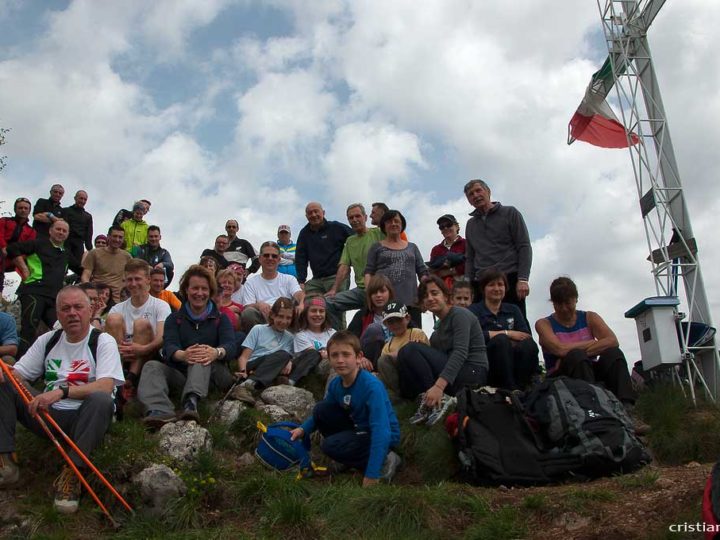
x=26 y=396
x=220 y=403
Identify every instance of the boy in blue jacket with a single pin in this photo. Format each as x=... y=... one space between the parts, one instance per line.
x=356 y=419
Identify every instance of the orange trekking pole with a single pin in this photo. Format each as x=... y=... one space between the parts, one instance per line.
x=26 y=396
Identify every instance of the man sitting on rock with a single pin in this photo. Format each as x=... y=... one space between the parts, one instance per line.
x=80 y=368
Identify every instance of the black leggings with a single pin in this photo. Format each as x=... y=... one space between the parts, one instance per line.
x=419 y=366
x=610 y=369
x=512 y=363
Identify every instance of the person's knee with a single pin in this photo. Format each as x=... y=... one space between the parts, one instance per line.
x=408 y=353
x=500 y=342
x=114 y=323
x=575 y=357
x=143 y=331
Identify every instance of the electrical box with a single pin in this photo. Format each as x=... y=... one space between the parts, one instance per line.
x=657 y=331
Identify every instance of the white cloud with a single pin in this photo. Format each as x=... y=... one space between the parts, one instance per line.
x=370 y=160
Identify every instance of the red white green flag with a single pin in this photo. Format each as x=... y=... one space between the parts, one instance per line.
x=594 y=121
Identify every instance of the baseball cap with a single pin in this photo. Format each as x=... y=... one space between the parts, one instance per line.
x=285 y=228
x=394 y=309
x=446 y=217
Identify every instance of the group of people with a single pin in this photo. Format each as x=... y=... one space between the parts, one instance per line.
x=273 y=316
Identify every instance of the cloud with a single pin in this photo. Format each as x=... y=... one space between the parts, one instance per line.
x=370 y=160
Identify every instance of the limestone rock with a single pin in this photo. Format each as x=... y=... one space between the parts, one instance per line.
x=184 y=440
x=158 y=486
x=230 y=411
x=276 y=414
x=296 y=401
x=246 y=460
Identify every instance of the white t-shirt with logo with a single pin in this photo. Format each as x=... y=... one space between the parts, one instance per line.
x=307 y=339
x=258 y=289
x=154 y=310
x=71 y=364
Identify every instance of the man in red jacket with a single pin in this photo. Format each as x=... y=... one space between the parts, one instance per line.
x=12 y=230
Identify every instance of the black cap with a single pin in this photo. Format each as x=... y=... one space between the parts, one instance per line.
x=446 y=217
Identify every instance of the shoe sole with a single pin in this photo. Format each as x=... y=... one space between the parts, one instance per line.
x=157 y=422
x=187 y=416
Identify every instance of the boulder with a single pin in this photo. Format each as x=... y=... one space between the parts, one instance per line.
x=246 y=460
x=230 y=411
x=276 y=414
x=183 y=440
x=158 y=486
x=296 y=401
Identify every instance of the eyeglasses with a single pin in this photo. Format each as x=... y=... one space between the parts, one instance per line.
x=270 y=255
x=446 y=225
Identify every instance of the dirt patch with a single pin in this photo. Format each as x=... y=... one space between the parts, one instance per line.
x=635 y=506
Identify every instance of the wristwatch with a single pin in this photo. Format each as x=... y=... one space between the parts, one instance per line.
x=65 y=390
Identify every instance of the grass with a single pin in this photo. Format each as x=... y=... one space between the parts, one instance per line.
x=640 y=480
x=253 y=502
x=680 y=432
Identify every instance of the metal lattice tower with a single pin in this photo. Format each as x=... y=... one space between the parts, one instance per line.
x=672 y=246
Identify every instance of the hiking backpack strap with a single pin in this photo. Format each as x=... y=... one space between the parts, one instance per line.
x=53 y=341
x=92 y=342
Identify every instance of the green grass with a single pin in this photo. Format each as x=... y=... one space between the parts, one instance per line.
x=640 y=480
x=582 y=498
x=680 y=432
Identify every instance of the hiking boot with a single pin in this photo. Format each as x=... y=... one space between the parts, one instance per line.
x=390 y=467
x=441 y=410
x=157 y=419
x=240 y=393
x=67 y=491
x=190 y=411
x=9 y=471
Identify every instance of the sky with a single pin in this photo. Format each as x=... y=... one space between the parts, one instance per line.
x=248 y=110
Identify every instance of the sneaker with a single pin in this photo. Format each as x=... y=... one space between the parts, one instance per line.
x=422 y=412
x=421 y=415
x=67 y=491
x=441 y=410
x=157 y=419
x=9 y=471
x=190 y=411
x=240 y=393
x=390 y=467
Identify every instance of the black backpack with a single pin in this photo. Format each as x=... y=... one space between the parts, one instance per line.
x=497 y=444
x=586 y=420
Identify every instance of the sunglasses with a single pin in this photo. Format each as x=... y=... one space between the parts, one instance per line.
x=22 y=199
x=270 y=255
x=446 y=225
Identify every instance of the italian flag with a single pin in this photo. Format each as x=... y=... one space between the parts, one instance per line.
x=594 y=121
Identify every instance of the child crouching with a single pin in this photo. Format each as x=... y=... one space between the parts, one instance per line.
x=356 y=419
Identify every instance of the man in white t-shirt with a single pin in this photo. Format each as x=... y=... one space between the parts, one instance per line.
x=80 y=368
x=262 y=289
x=137 y=323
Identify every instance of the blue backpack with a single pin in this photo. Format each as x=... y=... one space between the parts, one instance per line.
x=276 y=451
